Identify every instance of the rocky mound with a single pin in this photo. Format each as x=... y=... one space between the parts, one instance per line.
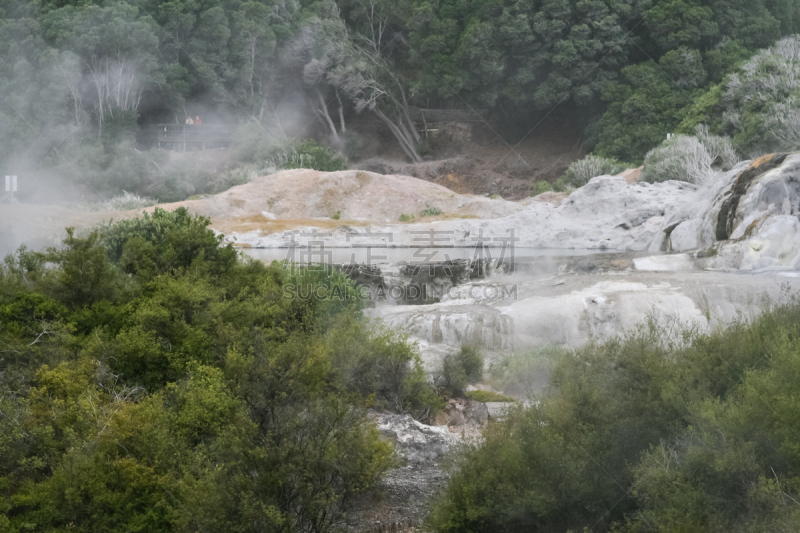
x=354 y=194
x=746 y=220
x=607 y=213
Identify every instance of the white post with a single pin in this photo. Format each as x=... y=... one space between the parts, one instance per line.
x=13 y=184
x=8 y=183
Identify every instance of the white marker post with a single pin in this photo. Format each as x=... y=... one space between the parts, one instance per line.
x=11 y=185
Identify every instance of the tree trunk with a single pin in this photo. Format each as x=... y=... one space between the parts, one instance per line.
x=341 y=112
x=323 y=111
x=406 y=143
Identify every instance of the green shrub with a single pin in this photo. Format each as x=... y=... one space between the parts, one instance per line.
x=540 y=187
x=110 y=168
x=460 y=369
x=580 y=172
x=164 y=242
x=337 y=215
x=430 y=211
x=176 y=187
x=217 y=183
x=562 y=185
x=523 y=374
x=489 y=396
x=382 y=365
x=647 y=429
x=309 y=154
x=406 y=218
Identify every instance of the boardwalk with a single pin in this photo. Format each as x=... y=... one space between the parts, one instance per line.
x=190 y=137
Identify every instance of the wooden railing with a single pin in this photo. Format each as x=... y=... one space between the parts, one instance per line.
x=192 y=137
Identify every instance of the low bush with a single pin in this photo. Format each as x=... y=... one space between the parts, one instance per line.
x=430 y=211
x=383 y=365
x=689 y=158
x=153 y=380
x=176 y=187
x=489 y=396
x=720 y=148
x=128 y=201
x=540 y=187
x=580 y=172
x=460 y=369
x=308 y=154
x=109 y=168
x=253 y=142
x=681 y=158
x=406 y=218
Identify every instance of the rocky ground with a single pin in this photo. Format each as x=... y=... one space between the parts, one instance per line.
x=401 y=502
x=608 y=213
x=573 y=308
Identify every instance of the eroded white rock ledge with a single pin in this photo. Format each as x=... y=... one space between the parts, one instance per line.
x=745 y=219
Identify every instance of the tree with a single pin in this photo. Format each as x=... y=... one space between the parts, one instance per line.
x=758 y=101
x=650 y=103
x=117 y=53
x=319 y=47
x=84 y=275
x=165 y=242
x=536 y=54
x=355 y=66
x=254 y=45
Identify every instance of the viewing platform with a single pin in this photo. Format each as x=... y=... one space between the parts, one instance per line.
x=187 y=137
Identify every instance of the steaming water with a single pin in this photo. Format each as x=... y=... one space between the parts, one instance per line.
x=379 y=256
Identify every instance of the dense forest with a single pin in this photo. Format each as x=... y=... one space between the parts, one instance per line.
x=80 y=79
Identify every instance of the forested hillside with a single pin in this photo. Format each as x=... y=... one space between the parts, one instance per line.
x=80 y=79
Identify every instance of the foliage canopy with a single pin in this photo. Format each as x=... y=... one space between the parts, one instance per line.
x=153 y=380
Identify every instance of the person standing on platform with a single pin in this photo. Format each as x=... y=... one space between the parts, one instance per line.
x=189 y=121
